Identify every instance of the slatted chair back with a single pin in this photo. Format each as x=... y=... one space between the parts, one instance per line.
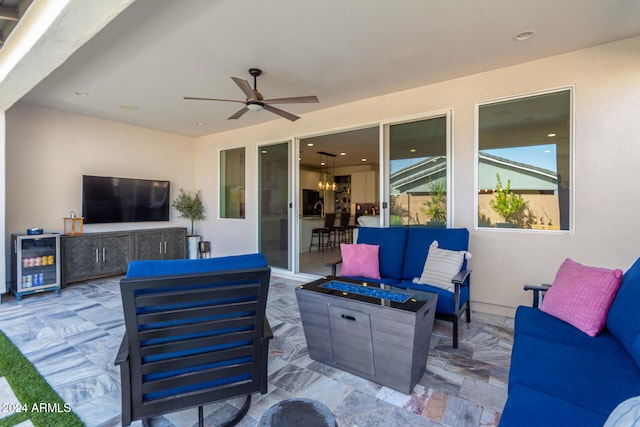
x=194 y=338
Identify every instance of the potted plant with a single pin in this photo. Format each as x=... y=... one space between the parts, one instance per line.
x=190 y=207
x=507 y=204
x=436 y=207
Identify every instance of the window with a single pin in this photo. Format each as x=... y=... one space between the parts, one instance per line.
x=232 y=183
x=418 y=172
x=524 y=167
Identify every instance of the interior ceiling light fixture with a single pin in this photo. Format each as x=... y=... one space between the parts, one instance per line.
x=256 y=102
x=524 y=35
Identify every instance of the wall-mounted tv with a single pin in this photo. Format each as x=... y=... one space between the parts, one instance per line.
x=110 y=199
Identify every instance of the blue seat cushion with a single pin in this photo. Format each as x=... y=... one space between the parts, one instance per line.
x=446 y=301
x=189 y=266
x=535 y=323
x=527 y=407
x=583 y=377
x=420 y=238
x=392 y=243
x=623 y=320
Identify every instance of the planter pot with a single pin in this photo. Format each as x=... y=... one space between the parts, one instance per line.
x=506 y=225
x=192 y=246
x=436 y=224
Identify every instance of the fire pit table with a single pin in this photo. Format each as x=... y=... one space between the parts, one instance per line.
x=378 y=332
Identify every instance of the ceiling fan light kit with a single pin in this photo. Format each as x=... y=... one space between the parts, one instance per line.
x=256 y=102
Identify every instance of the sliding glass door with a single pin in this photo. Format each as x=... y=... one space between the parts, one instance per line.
x=275 y=219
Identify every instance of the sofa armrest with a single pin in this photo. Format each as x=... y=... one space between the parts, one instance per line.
x=538 y=292
x=123 y=352
x=334 y=265
x=459 y=280
x=461 y=277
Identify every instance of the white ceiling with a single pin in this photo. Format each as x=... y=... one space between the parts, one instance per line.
x=157 y=51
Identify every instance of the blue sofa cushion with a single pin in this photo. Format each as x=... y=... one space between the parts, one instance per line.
x=623 y=320
x=392 y=242
x=188 y=266
x=530 y=408
x=535 y=323
x=598 y=380
x=446 y=301
x=420 y=238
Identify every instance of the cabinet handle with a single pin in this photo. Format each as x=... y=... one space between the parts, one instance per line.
x=97 y=259
x=347 y=317
x=104 y=254
x=165 y=246
x=160 y=248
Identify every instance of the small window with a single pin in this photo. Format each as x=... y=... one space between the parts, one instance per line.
x=232 y=183
x=524 y=167
x=418 y=173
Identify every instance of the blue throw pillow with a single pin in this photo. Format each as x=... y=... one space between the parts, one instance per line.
x=623 y=320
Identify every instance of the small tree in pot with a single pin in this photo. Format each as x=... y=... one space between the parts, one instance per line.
x=507 y=204
x=189 y=206
x=436 y=207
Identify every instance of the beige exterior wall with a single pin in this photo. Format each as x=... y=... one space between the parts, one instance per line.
x=48 y=151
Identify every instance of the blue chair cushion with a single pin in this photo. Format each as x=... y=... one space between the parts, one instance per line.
x=623 y=320
x=527 y=407
x=446 y=301
x=420 y=238
x=535 y=323
x=392 y=243
x=598 y=380
x=188 y=266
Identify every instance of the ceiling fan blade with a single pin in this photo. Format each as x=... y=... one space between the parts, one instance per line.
x=293 y=100
x=246 y=88
x=238 y=113
x=281 y=113
x=212 y=99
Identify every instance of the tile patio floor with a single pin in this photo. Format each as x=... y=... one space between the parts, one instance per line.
x=72 y=340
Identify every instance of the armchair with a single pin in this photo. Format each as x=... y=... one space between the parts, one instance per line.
x=196 y=333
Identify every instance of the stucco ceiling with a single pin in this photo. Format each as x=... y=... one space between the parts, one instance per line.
x=157 y=51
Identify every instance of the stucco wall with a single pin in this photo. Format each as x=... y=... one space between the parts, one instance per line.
x=48 y=151
x=607 y=155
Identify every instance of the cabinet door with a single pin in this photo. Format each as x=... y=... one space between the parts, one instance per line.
x=80 y=255
x=115 y=253
x=351 y=340
x=148 y=245
x=174 y=244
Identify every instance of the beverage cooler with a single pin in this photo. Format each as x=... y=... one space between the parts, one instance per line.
x=35 y=264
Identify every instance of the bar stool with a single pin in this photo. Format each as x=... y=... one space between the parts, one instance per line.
x=329 y=219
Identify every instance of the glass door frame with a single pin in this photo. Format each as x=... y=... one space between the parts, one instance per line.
x=290 y=198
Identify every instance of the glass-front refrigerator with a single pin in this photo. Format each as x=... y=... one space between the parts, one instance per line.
x=36 y=264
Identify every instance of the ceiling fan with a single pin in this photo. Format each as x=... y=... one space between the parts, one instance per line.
x=256 y=102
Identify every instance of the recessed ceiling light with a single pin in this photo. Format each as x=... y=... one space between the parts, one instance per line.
x=413 y=150
x=128 y=107
x=264 y=151
x=525 y=35
x=551 y=135
x=364 y=160
x=310 y=144
x=81 y=93
x=199 y=124
x=343 y=154
x=322 y=163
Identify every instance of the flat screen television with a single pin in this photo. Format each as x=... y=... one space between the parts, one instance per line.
x=110 y=199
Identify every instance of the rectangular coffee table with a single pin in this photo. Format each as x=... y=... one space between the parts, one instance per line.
x=378 y=332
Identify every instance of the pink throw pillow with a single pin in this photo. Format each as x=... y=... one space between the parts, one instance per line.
x=581 y=295
x=360 y=260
